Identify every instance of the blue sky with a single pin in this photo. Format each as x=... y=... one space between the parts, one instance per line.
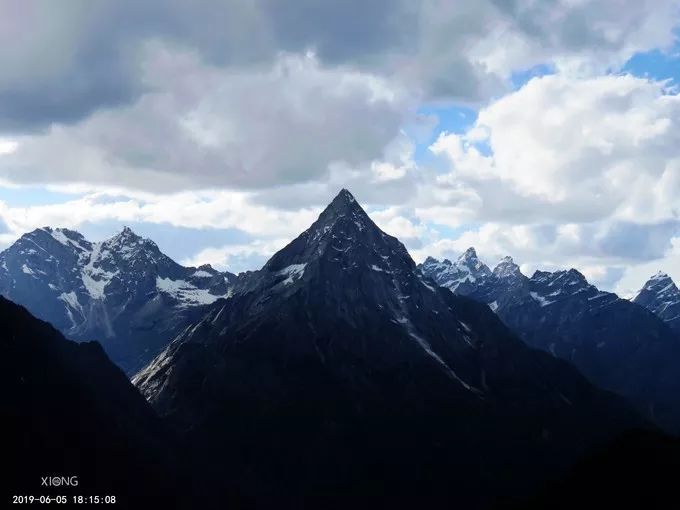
x=222 y=143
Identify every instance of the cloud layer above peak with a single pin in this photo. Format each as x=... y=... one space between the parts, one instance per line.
x=61 y=61
x=511 y=125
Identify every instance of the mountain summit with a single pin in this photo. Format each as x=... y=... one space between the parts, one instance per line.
x=345 y=372
x=122 y=291
x=661 y=296
x=462 y=276
x=507 y=268
x=616 y=344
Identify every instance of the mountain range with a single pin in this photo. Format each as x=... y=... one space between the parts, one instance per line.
x=123 y=292
x=340 y=374
x=341 y=370
x=618 y=344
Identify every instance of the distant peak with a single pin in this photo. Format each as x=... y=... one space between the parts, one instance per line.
x=39 y=232
x=660 y=275
x=431 y=260
x=126 y=236
x=469 y=261
x=571 y=276
x=62 y=235
x=660 y=281
x=506 y=267
x=469 y=254
x=575 y=273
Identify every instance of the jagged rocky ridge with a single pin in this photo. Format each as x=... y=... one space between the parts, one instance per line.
x=68 y=411
x=661 y=296
x=617 y=344
x=340 y=375
x=123 y=292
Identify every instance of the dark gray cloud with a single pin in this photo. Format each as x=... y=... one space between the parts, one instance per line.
x=201 y=127
x=638 y=241
x=352 y=30
x=61 y=61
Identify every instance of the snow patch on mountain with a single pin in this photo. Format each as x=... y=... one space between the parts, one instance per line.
x=540 y=299
x=184 y=292
x=292 y=273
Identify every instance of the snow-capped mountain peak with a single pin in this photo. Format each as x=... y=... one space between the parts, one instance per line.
x=550 y=287
x=344 y=210
x=661 y=296
x=660 y=281
x=343 y=236
x=69 y=238
x=457 y=276
x=469 y=260
x=104 y=289
x=562 y=278
x=507 y=268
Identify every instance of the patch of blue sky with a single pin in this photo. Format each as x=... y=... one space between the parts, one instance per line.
x=520 y=78
x=26 y=196
x=449 y=232
x=656 y=65
x=449 y=119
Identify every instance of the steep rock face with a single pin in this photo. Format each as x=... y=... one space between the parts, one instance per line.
x=618 y=345
x=661 y=296
x=339 y=375
x=68 y=411
x=123 y=291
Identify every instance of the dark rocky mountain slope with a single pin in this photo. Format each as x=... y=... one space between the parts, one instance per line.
x=618 y=345
x=339 y=376
x=68 y=411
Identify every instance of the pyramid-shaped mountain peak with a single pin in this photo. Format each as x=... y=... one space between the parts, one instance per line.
x=469 y=261
x=127 y=234
x=659 y=276
x=343 y=234
x=469 y=254
x=345 y=196
x=661 y=283
x=345 y=217
x=506 y=267
x=344 y=204
x=130 y=240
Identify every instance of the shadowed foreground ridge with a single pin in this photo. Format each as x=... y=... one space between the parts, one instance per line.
x=67 y=410
x=339 y=376
x=638 y=470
